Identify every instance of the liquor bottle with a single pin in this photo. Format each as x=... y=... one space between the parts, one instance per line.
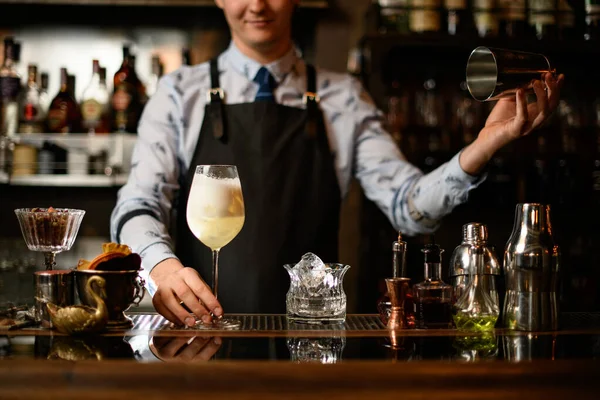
x=459 y=18
x=71 y=83
x=486 y=18
x=433 y=297
x=425 y=17
x=592 y=20
x=186 y=57
x=431 y=120
x=539 y=181
x=565 y=17
x=94 y=103
x=45 y=98
x=63 y=114
x=397 y=112
x=568 y=175
x=542 y=18
x=141 y=88
x=30 y=113
x=393 y=16
x=126 y=102
x=595 y=184
x=513 y=19
x=10 y=88
x=155 y=76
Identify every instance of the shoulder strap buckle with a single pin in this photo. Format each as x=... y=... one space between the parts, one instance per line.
x=215 y=92
x=310 y=96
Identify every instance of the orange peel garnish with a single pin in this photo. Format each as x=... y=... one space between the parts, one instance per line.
x=109 y=251
x=115 y=247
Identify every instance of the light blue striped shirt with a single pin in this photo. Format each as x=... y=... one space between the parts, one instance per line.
x=169 y=128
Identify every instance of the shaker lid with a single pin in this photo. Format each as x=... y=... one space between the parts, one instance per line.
x=475 y=232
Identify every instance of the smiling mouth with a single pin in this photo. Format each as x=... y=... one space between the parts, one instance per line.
x=264 y=22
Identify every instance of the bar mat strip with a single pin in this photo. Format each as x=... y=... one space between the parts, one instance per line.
x=361 y=323
x=269 y=323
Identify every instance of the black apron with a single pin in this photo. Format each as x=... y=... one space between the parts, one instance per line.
x=291 y=195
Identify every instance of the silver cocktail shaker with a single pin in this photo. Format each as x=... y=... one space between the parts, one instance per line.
x=531 y=265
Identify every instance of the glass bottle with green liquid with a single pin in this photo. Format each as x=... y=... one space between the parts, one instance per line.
x=476 y=309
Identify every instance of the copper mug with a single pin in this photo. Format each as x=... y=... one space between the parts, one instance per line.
x=123 y=289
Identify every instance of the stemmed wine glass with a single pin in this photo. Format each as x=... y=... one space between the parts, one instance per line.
x=215 y=215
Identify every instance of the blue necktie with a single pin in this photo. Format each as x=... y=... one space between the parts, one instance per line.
x=266 y=84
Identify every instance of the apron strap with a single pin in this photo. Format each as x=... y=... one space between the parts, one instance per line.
x=311 y=99
x=215 y=97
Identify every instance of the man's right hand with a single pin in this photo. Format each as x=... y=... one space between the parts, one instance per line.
x=176 y=284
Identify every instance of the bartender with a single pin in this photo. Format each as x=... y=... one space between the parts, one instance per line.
x=297 y=135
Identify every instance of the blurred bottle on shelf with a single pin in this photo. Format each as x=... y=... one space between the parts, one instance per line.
x=542 y=19
x=155 y=75
x=126 y=102
x=595 y=133
x=425 y=17
x=569 y=185
x=592 y=20
x=31 y=116
x=567 y=21
x=186 y=57
x=10 y=89
x=432 y=126
x=45 y=98
x=393 y=16
x=459 y=18
x=94 y=103
x=513 y=19
x=486 y=18
x=63 y=114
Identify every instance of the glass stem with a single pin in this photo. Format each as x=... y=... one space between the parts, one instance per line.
x=49 y=259
x=215 y=274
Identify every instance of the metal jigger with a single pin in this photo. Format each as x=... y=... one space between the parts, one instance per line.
x=398 y=288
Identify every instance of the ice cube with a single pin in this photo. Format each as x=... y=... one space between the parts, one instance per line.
x=311 y=261
x=314 y=274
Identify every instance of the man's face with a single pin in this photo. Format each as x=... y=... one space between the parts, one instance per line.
x=259 y=23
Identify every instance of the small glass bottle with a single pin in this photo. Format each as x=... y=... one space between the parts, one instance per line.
x=432 y=297
x=384 y=304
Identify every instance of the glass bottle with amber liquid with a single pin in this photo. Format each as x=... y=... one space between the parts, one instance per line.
x=126 y=102
x=94 y=103
x=433 y=296
x=63 y=114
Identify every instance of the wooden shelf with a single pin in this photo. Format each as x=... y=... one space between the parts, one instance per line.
x=66 y=180
x=146 y=3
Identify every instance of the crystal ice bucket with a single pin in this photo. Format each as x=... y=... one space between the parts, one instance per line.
x=316 y=294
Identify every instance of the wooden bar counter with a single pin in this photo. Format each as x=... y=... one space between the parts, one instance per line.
x=271 y=359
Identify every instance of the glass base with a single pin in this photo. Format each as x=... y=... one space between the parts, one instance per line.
x=219 y=324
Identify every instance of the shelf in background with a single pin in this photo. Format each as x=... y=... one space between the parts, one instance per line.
x=146 y=3
x=77 y=140
x=65 y=180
